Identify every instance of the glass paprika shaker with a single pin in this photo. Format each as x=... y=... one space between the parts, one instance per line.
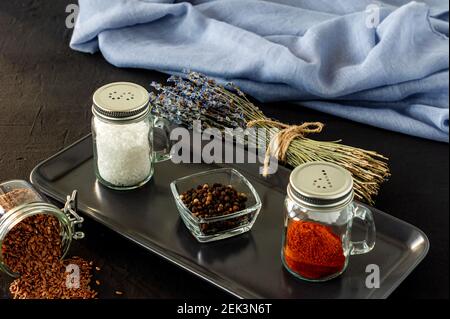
x=19 y=201
x=122 y=130
x=319 y=215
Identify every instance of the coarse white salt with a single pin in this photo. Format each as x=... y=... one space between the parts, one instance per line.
x=124 y=153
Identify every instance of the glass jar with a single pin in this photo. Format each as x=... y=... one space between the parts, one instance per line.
x=19 y=200
x=319 y=214
x=122 y=130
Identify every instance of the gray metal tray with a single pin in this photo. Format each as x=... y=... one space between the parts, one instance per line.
x=247 y=266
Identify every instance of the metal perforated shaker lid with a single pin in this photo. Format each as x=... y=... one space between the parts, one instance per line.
x=321 y=185
x=120 y=101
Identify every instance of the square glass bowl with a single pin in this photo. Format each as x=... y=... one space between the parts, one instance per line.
x=218 y=227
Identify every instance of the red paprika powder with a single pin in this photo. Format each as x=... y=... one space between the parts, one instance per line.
x=312 y=250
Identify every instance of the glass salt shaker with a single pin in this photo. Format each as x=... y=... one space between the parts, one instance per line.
x=122 y=130
x=319 y=215
x=19 y=200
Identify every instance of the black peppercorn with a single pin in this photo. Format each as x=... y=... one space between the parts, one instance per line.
x=215 y=200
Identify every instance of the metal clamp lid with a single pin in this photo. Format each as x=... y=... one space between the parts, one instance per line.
x=70 y=209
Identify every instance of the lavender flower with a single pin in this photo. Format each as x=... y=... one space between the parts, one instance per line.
x=196 y=97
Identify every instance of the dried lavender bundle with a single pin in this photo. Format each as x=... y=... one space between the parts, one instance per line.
x=197 y=97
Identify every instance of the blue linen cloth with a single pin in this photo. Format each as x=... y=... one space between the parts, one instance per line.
x=386 y=66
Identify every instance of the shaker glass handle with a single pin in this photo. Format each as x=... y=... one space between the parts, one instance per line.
x=364 y=246
x=161 y=139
